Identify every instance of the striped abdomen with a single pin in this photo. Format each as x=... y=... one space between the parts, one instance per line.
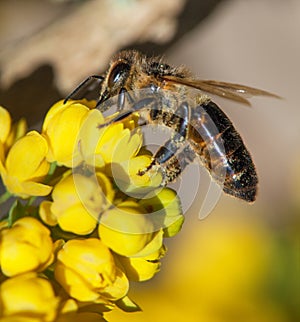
x=222 y=151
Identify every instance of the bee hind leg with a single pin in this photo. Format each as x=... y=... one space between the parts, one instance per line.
x=175 y=165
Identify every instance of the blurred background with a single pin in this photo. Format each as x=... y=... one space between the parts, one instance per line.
x=242 y=262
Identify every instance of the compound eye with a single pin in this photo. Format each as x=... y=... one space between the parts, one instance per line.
x=118 y=74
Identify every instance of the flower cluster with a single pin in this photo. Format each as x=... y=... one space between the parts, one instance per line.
x=83 y=222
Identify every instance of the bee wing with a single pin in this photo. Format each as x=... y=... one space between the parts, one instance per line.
x=232 y=91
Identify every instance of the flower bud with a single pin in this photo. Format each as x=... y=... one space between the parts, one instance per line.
x=5 y=121
x=26 y=246
x=25 y=166
x=142 y=268
x=61 y=127
x=126 y=229
x=87 y=271
x=166 y=211
x=28 y=297
x=77 y=203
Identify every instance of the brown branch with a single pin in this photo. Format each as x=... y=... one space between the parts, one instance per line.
x=82 y=42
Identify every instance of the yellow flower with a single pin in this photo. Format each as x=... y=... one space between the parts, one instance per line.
x=61 y=127
x=127 y=229
x=114 y=149
x=165 y=209
x=79 y=317
x=77 y=203
x=87 y=139
x=73 y=134
x=9 y=132
x=119 y=144
x=75 y=311
x=26 y=246
x=5 y=121
x=25 y=166
x=142 y=268
x=87 y=271
x=125 y=174
x=110 y=144
x=28 y=296
x=103 y=188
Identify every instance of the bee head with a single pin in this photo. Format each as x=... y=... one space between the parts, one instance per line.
x=118 y=74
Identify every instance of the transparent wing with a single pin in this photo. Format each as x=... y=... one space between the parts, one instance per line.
x=232 y=91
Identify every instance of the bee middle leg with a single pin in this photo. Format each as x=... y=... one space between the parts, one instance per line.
x=165 y=157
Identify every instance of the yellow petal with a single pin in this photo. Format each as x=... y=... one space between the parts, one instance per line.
x=90 y=258
x=153 y=246
x=127 y=146
x=125 y=230
x=26 y=167
x=45 y=213
x=5 y=121
x=77 y=220
x=85 y=268
x=25 y=189
x=78 y=201
x=112 y=132
x=106 y=186
x=74 y=189
x=26 y=246
x=39 y=302
x=26 y=158
x=166 y=210
x=61 y=128
x=142 y=268
x=60 y=106
x=88 y=137
x=70 y=305
x=127 y=178
x=2 y=158
x=119 y=288
x=18 y=130
x=108 y=140
x=74 y=284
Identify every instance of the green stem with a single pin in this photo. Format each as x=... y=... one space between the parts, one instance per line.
x=5 y=196
x=30 y=201
x=53 y=166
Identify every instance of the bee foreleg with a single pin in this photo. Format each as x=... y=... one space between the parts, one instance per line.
x=121 y=99
x=123 y=93
x=140 y=105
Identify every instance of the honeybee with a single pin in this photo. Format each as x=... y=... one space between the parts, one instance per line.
x=221 y=150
